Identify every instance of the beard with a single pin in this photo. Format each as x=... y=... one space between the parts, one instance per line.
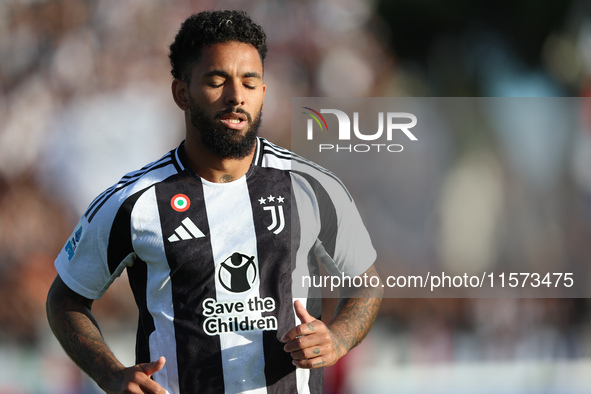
x=222 y=142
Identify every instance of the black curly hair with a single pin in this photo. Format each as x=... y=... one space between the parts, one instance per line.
x=208 y=28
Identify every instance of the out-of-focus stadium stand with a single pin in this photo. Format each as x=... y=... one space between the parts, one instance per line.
x=85 y=98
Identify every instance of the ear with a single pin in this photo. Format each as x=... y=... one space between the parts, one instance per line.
x=180 y=94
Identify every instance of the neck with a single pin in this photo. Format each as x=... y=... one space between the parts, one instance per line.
x=211 y=167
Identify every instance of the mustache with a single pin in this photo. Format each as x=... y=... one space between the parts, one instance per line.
x=228 y=111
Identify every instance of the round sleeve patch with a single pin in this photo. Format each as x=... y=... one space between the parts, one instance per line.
x=180 y=202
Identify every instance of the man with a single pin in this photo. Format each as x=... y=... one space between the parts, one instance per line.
x=214 y=236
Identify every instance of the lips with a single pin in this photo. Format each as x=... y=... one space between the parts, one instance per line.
x=234 y=120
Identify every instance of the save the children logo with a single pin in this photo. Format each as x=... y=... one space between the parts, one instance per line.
x=238 y=272
x=239 y=315
x=389 y=125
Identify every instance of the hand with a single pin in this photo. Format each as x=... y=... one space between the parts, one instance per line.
x=311 y=344
x=136 y=379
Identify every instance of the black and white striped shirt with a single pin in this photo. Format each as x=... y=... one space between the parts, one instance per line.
x=215 y=267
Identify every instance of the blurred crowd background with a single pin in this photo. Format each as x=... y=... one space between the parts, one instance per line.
x=85 y=98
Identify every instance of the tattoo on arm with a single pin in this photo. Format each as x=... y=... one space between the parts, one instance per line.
x=77 y=331
x=354 y=317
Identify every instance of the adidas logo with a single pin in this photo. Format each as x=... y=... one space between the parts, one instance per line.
x=187 y=230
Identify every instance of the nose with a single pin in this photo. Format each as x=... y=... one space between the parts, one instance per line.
x=234 y=94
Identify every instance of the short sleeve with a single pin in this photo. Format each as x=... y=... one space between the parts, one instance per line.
x=343 y=244
x=83 y=263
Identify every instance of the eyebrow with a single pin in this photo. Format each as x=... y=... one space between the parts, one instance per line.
x=222 y=73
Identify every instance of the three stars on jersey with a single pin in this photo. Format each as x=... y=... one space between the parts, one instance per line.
x=271 y=198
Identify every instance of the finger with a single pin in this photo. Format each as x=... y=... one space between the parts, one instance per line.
x=310 y=352
x=153 y=367
x=299 y=331
x=302 y=313
x=303 y=338
x=137 y=378
x=317 y=362
x=151 y=387
x=305 y=328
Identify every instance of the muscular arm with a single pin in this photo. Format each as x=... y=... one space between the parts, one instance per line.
x=77 y=331
x=355 y=314
x=313 y=344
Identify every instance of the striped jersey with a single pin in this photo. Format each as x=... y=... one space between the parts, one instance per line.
x=215 y=267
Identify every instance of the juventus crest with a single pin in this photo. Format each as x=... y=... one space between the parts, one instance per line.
x=274 y=205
